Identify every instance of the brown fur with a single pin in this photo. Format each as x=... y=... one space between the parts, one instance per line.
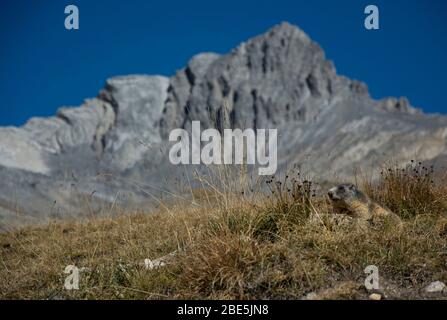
x=347 y=199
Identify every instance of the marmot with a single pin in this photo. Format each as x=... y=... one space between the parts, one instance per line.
x=347 y=199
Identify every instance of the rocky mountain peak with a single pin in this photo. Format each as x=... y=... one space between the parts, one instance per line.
x=285 y=33
x=327 y=124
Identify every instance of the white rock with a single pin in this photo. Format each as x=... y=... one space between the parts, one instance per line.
x=153 y=264
x=436 y=286
x=311 y=296
x=159 y=262
x=375 y=296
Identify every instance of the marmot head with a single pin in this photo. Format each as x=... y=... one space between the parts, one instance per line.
x=344 y=192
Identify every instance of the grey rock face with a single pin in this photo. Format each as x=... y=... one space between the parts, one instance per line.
x=139 y=102
x=113 y=148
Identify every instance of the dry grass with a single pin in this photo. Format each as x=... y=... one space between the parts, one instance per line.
x=409 y=190
x=238 y=244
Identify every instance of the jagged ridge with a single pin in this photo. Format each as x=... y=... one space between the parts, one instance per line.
x=280 y=79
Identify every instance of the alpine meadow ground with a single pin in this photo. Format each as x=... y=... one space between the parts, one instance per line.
x=272 y=239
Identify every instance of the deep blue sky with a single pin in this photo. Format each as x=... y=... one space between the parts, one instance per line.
x=43 y=66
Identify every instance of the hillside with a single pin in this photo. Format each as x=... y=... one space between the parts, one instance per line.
x=113 y=149
x=235 y=242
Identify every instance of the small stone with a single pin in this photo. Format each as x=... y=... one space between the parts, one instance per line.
x=375 y=296
x=434 y=287
x=159 y=262
x=311 y=296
